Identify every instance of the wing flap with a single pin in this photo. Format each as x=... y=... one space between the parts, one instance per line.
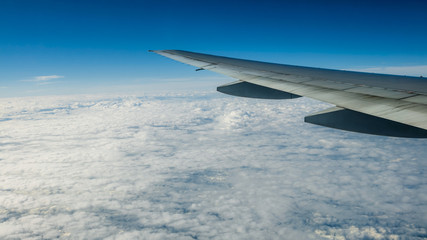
x=380 y=92
x=421 y=99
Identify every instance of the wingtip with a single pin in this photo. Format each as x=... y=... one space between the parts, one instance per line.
x=166 y=50
x=158 y=51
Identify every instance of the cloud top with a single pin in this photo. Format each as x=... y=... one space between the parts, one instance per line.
x=200 y=166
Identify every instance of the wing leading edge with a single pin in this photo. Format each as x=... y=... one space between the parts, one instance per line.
x=370 y=103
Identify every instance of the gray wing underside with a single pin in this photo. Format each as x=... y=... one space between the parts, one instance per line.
x=399 y=99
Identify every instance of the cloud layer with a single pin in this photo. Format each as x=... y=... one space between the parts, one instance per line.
x=198 y=166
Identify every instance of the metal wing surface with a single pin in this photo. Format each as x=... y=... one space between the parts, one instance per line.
x=365 y=102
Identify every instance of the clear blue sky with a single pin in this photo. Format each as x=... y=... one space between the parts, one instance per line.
x=94 y=44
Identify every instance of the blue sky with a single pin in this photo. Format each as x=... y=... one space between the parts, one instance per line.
x=90 y=46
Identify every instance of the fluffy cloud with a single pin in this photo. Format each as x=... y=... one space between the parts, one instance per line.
x=197 y=166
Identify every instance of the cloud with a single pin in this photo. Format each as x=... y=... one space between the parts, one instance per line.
x=416 y=71
x=44 y=80
x=47 y=78
x=201 y=165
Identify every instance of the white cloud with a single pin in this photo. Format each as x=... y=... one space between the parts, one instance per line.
x=43 y=80
x=47 y=78
x=416 y=71
x=179 y=166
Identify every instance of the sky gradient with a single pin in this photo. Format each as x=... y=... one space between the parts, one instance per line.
x=102 y=45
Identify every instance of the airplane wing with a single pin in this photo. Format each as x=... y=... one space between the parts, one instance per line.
x=379 y=104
